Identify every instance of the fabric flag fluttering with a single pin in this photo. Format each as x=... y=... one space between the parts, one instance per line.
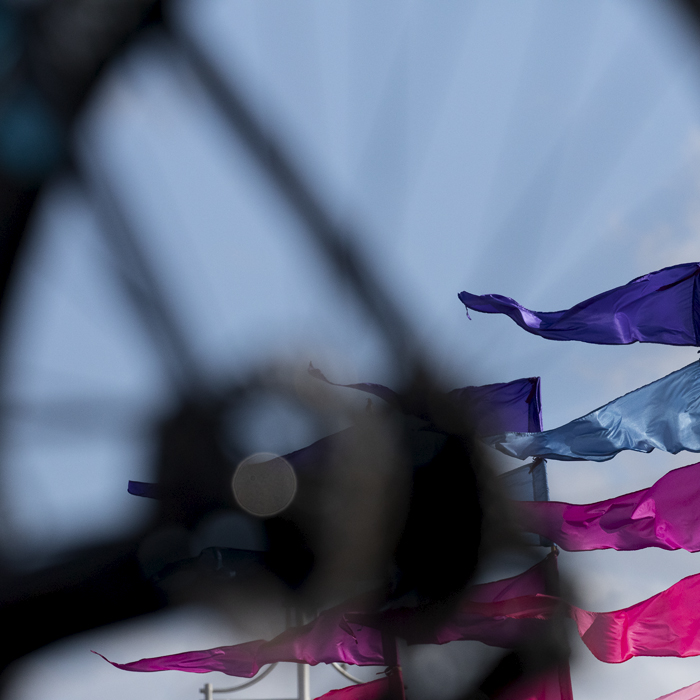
x=553 y=684
x=542 y=578
x=507 y=406
x=320 y=641
x=374 y=690
x=661 y=307
x=502 y=404
x=665 y=624
x=663 y=415
x=474 y=619
x=665 y=515
x=335 y=636
x=690 y=692
x=474 y=622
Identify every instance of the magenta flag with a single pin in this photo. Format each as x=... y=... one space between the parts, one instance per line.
x=661 y=307
x=320 y=641
x=505 y=623
x=374 y=690
x=666 y=515
x=554 y=684
x=474 y=622
x=690 y=692
x=540 y=578
x=667 y=624
x=487 y=614
x=336 y=636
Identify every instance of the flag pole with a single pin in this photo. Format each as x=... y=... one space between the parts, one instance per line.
x=303 y=677
x=393 y=671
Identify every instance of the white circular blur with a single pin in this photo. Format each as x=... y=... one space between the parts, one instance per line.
x=264 y=484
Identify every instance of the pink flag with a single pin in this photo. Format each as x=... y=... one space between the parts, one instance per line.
x=321 y=641
x=505 y=623
x=690 y=692
x=540 y=578
x=474 y=621
x=667 y=624
x=502 y=613
x=374 y=690
x=666 y=515
x=335 y=636
x=554 y=684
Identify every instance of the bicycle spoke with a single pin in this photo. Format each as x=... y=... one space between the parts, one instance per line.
x=140 y=280
x=336 y=242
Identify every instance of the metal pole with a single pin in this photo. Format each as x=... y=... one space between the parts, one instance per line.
x=303 y=682
x=208 y=691
x=391 y=658
x=303 y=676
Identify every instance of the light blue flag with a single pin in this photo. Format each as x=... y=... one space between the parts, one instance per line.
x=664 y=415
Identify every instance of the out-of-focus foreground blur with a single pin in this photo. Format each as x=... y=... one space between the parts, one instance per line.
x=199 y=198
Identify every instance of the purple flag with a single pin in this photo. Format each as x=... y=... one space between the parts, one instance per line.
x=379 y=390
x=661 y=307
x=663 y=415
x=666 y=515
x=307 y=460
x=492 y=408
